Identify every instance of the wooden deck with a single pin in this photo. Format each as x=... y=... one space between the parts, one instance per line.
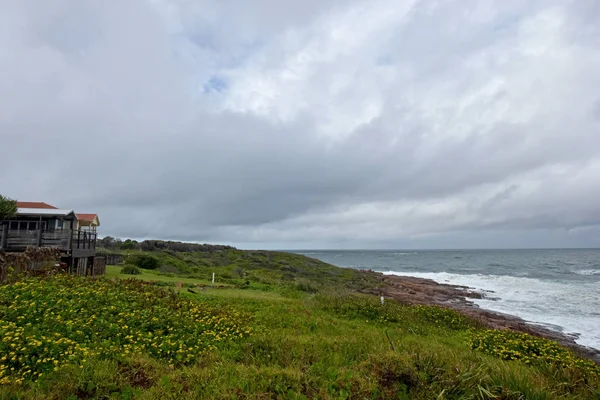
x=81 y=243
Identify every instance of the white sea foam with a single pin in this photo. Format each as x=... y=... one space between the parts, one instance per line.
x=587 y=272
x=572 y=306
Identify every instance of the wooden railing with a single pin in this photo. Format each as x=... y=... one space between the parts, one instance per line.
x=19 y=240
x=84 y=240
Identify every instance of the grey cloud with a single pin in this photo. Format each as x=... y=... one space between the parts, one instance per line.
x=467 y=127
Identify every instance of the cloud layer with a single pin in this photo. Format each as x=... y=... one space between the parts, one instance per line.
x=308 y=124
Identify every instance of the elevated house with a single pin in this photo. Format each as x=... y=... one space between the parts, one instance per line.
x=43 y=225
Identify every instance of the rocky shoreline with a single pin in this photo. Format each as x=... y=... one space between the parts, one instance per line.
x=411 y=290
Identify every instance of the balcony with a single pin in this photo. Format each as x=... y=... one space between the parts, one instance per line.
x=78 y=243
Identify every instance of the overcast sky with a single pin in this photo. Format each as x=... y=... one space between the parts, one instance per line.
x=308 y=123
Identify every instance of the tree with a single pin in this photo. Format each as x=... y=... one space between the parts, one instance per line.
x=8 y=208
x=109 y=243
x=129 y=245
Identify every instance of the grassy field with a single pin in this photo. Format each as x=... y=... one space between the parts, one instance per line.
x=288 y=334
x=113 y=271
x=259 y=267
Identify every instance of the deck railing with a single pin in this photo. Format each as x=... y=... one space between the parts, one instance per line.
x=64 y=239
x=84 y=240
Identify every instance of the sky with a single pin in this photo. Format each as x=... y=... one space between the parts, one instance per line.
x=308 y=124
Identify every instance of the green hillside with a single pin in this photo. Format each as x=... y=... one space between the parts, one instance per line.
x=274 y=326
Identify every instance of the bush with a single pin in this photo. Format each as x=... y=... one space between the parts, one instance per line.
x=130 y=270
x=144 y=261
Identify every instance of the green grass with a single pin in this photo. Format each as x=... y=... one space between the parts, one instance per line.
x=114 y=271
x=261 y=267
x=333 y=344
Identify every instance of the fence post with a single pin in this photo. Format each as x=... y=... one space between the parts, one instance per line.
x=39 y=238
x=3 y=235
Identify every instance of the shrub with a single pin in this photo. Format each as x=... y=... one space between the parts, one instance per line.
x=130 y=270
x=145 y=261
x=34 y=261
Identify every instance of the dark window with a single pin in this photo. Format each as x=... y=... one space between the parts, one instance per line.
x=23 y=225
x=14 y=225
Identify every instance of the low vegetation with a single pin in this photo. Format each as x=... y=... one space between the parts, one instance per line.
x=131 y=270
x=530 y=350
x=49 y=323
x=146 y=261
x=236 y=267
x=273 y=326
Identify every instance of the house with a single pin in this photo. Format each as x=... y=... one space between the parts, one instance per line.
x=88 y=222
x=43 y=225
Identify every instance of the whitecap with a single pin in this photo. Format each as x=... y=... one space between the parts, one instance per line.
x=587 y=272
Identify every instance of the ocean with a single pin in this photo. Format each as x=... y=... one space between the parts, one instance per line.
x=559 y=288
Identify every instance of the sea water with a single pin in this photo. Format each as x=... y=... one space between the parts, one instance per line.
x=559 y=289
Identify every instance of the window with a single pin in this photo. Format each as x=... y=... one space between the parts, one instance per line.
x=27 y=226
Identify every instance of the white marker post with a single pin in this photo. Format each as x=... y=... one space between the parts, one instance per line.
x=382 y=300
x=213 y=280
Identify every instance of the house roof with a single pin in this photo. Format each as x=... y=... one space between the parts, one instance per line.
x=89 y=218
x=47 y=212
x=35 y=204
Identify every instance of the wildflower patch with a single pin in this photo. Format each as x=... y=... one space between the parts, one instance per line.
x=508 y=345
x=46 y=324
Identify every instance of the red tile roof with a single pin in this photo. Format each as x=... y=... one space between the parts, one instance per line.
x=35 y=204
x=86 y=217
